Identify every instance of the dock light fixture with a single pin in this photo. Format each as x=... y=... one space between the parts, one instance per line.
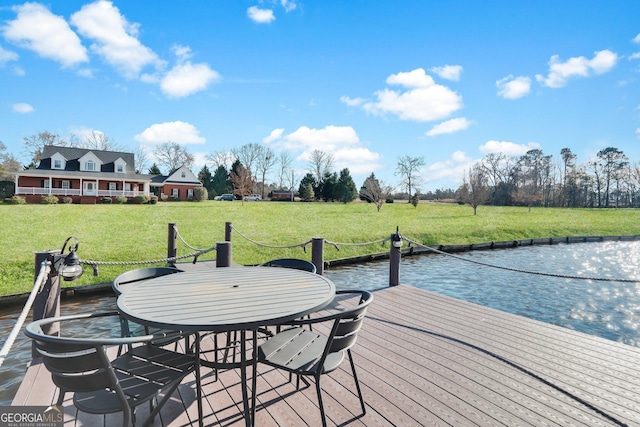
x=68 y=265
x=396 y=239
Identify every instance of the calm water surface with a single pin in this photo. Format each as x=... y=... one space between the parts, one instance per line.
x=605 y=308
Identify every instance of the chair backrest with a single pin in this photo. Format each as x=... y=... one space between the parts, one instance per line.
x=347 y=324
x=296 y=263
x=76 y=364
x=121 y=282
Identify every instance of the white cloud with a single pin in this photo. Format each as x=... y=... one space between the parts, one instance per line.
x=638 y=133
x=275 y=135
x=115 y=38
x=450 y=126
x=512 y=87
x=579 y=66
x=7 y=55
x=22 y=108
x=187 y=79
x=288 y=5
x=449 y=72
x=636 y=39
x=423 y=101
x=507 y=148
x=39 y=30
x=450 y=170
x=178 y=132
x=260 y=16
x=352 y=102
x=341 y=141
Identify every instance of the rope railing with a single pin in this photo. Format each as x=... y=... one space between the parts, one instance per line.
x=518 y=270
x=303 y=245
x=96 y=263
x=45 y=269
x=184 y=242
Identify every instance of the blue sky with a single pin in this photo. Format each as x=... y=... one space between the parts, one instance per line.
x=367 y=81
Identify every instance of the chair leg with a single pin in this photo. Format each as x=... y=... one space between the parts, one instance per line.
x=320 y=403
x=355 y=378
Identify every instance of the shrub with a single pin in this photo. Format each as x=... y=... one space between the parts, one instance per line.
x=67 y=200
x=49 y=199
x=16 y=200
x=121 y=200
x=107 y=200
x=141 y=200
x=154 y=199
x=200 y=194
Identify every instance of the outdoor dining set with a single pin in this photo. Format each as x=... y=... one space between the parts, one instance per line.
x=289 y=318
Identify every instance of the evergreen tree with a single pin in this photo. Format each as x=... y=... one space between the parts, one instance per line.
x=220 y=183
x=205 y=177
x=308 y=179
x=345 y=190
x=154 y=170
x=329 y=183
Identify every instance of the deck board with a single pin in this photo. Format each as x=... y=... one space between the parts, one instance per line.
x=424 y=359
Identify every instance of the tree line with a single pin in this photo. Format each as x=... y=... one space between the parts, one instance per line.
x=536 y=179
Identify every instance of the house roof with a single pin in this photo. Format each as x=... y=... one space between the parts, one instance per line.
x=73 y=154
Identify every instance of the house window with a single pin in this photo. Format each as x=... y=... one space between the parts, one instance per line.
x=46 y=183
x=119 y=168
x=127 y=186
x=113 y=186
x=57 y=164
x=184 y=175
x=175 y=192
x=65 y=185
x=90 y=165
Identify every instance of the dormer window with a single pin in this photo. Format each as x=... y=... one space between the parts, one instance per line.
x=90 y=165
x=57 y=164
x=120 y=168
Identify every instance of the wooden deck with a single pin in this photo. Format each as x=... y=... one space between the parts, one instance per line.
x=426 y=359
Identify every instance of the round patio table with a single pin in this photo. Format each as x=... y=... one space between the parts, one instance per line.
x=226 y=299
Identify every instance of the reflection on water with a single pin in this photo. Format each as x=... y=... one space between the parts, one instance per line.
x=604 y=308
x=608 y=309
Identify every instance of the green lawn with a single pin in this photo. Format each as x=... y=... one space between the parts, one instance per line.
x=126 y=233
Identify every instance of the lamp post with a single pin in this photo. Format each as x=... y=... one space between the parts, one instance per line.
x=68 y=265
x=394 y=258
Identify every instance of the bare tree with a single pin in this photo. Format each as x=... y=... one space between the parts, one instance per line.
x=284 y=160
x=320 y=164
x=141 y=159
x=375 y=191
x=475 y=190
x=242 y=181
x=34 y=144
x=100 y=141
x=172 y=155
x=221 y=158
x=408 y=168
x=265 y=161
x=248 y=155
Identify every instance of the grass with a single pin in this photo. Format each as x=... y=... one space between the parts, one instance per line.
x=126 y=233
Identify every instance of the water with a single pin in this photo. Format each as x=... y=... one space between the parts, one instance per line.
x=604 y=308
x=607 y=309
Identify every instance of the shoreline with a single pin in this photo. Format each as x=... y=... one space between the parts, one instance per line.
x=12 y=300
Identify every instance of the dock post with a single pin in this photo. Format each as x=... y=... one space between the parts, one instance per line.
x=223 y=254
x=172 y=249
x=394 y=259
x=47 y=302
x=227 y=231
x=317 y=254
